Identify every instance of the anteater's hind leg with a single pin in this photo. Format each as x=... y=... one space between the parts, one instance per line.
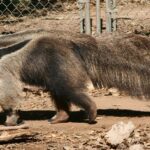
x=63 y=107
x=60 y=117
x=82 y=100
x=62 y=103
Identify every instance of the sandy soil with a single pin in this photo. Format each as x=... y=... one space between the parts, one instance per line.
x=76 y=134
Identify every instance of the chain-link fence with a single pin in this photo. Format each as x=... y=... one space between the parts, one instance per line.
x=130 y=15
x=16 y=15
x=20 y=8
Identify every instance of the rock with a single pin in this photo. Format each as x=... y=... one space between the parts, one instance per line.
x=119 y=132
x=114 y=91
x=67 y=148
x=136 y=147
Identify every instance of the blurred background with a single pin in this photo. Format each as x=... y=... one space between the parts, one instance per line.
x=128 y=15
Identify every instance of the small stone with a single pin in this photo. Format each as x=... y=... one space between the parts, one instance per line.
x=114 y=92
x=67 y=148
x=91 y=132
x=136 y=147
x=136 y=135
x=53 y=135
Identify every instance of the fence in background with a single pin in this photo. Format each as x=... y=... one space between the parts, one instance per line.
x=21 y=7
x=86 y=21
x=109 y=15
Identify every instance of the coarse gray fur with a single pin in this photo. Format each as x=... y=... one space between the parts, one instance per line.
x=125 y=59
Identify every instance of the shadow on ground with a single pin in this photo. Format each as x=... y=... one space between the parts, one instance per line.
x=78 y=116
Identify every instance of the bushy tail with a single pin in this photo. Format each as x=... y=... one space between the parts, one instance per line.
x=124 y=62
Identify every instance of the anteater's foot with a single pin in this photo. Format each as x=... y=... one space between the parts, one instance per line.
x=92 y=113
x=60 y=117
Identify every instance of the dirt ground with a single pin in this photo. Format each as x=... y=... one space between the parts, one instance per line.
x=77 y=134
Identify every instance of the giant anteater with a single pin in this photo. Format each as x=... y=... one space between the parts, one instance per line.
x=121 y=62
